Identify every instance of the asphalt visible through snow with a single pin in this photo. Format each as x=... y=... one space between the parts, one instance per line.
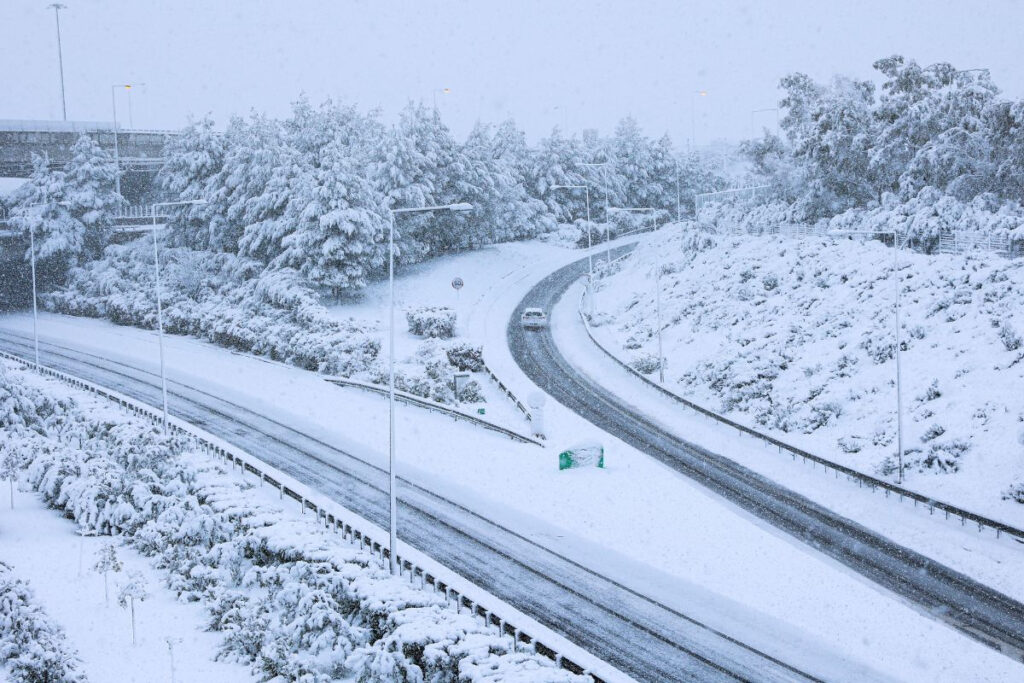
x=975 y=609
x=637 y=634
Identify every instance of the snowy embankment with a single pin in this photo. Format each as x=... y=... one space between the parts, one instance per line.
x=795 y=337
x=288 y=598
x=226 y=299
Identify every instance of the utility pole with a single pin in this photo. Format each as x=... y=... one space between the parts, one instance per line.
x=57 y=7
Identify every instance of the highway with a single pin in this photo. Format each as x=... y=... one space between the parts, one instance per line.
x=981 y=612
x=639 y=635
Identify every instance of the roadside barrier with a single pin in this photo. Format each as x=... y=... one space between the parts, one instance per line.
x=413 y=399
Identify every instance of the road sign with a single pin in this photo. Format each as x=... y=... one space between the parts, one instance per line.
x=457 y=283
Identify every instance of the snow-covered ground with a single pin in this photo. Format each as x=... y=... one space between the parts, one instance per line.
x=712 y=561
x=794 y=337
x=45 y=550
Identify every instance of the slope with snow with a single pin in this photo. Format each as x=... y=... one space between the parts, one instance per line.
x=796 y=338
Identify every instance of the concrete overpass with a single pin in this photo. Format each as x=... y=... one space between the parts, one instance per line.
x=140 y=151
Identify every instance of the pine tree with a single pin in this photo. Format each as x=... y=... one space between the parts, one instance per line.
x=91 y=193
x=191 y=159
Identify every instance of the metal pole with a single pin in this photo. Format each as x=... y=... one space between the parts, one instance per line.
x=117 y=154
x=131 y=123
x=590 y=243
x=159 y=319
x=57 y=7
x=899 y=373
x=392 y=557
x=35 y=311
x=657 y=298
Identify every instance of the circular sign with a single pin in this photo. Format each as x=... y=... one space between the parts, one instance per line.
x=457 y=283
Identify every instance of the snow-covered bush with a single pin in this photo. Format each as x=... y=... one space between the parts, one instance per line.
x=33 y=648
x=222 y=298
x=1015 y=492
x=466 y=357
x=431 y=321
x=289 y=599
x=645 y=363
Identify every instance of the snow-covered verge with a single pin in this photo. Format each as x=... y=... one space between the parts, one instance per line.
x=33 y=647
x=795 y=337
x=231 y=301
x=287 y=597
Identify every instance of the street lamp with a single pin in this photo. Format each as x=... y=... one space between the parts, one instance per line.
x=32 y=258
x=657 y=295
x=899 y=373
x=57 y=7
x=607 y=233
x=159 y=304
x=117 y=153
x=590 y=240
x=392 y=490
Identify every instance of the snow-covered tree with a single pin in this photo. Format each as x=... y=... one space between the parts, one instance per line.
x=132 y=590
x=91 y=194
x=107 y=561
x=190 y=160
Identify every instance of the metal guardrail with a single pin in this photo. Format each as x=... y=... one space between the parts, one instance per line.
x=350 y=531
x=508 y=392
x=862 y=479
x=413 y=399
x=699 y=200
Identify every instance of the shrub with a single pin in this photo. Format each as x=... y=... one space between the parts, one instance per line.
x=1011 y=340
x=466 y=357
x=431 y=321
x=1015 y=492
x=645 y=363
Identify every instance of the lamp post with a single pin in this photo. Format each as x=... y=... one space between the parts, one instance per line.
x=392 y=491
x=117 y=152
x=607 y=233
x=590 y=240
x=159 y=303
x=657 y=294
x=57 y=7
x=899 y=370
x=32 y=259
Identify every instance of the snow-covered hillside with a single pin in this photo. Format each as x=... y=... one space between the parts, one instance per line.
x=796 y=337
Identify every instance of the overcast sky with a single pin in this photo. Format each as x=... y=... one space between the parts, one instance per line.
x=543 y=62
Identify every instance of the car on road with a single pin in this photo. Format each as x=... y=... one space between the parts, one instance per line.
x=534 y=319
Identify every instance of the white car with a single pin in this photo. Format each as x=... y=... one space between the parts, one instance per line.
x=534 y=319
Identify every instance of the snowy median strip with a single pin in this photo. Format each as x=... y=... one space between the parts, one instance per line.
x=520 y=630
x=862 y=479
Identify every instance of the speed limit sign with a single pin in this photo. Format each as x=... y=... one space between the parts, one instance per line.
x=457 y=283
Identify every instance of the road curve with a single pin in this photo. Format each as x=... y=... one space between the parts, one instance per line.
x=979 y=611
x=638 y=635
